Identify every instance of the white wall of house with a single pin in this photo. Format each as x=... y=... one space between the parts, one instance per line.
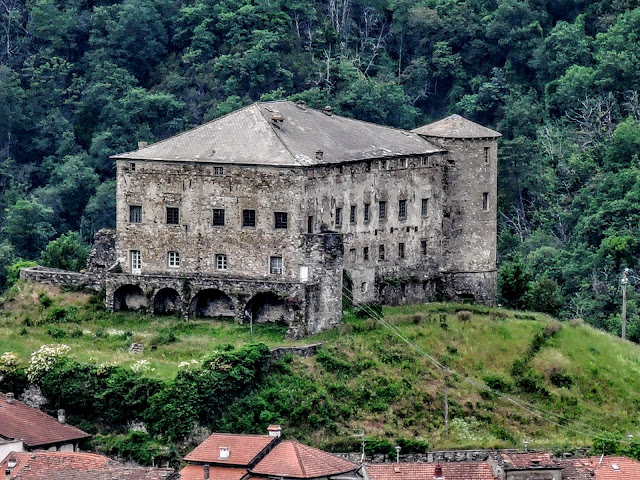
x=10 y=446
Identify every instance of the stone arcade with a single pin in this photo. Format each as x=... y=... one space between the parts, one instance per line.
x=260 y=214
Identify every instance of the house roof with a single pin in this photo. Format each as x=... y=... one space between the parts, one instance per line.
x=44 y=465
x=284 y=134
x=19 y=421
x=242 y=448
x=595 y=468
x=426 y=471
x=295 y=460
x=455 y=126
x=527 y=460
x=196 y=472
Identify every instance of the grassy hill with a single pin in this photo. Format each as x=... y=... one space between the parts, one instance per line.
x=367 y=378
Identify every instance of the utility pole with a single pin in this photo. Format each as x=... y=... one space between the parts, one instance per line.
x=624 y=283
x=446 y=401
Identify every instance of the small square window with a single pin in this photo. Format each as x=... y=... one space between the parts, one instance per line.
x=424 y=161
x=365 y=253
x=423 y=247
x=218 y=171
x=366 y=212
x=173 y=216
x=403 y=162
x=384 y=164
x=132 y=167
x=338 y=216
x=248 y=218
x=485 y=201
x=382 y=210
x=135 y=214
x=221 y=261
x=352 y=214
x=401 y=250
x=425 y=207
x=218 y=217
x=275 y=265
x=381 y=252
x=402 y=209
x=281 y=220
x=173 y=259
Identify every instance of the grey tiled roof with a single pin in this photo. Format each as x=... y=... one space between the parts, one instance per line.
x=284 y=134
x=456 y=126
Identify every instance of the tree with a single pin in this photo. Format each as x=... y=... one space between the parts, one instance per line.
x=67 y=252
x=28 y=227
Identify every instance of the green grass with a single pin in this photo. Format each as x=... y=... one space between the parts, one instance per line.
x=367 y=378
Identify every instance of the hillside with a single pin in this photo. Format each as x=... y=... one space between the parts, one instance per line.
x=364 y=377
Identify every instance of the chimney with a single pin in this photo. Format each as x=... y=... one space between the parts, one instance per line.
x=206 y=472
x=437 y=473
x=224 y=453
x=274 y=431
x=277 y=119
x=142 y=145
x=10 y=398
x=61 y=416
x=319 y=155
x=328 y=110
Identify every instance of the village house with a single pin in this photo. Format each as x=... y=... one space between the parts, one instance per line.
x=24 y=428
x=270 y=213
x=44 y=465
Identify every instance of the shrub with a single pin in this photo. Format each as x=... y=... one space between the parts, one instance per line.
x=560 y=379
x=45 y=299
x=496 y=382
x=576 y=322
x=43 y=360
x=464 y=315
x=164 y=336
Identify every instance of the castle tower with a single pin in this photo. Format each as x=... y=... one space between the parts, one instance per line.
x=469 y=217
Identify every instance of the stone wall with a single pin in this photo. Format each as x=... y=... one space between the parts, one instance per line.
x=53 y=276
x=300 y=351
x=103 y=252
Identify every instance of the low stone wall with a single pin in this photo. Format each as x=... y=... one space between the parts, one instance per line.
x=301 y=351
x=54 y=276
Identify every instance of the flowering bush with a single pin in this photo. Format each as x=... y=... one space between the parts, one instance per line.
x=142 y=366
x=189 y=363
x=8 y=361
x=45 y=359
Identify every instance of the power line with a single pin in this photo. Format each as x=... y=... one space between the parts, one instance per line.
x=530 y=408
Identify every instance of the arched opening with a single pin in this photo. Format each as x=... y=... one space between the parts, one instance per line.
x=129 y=297
x=267 y=307
x=211 y=303
x=166 y=302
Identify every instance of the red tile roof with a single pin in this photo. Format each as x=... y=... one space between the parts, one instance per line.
x=43 y=465
x=528 y=460
x=35 y=428
x=242 y=448
x=585 y=468
x=196 y=472
x=293 y=459
x=425 y=471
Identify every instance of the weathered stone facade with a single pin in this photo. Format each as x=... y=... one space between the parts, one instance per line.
x=259 y=215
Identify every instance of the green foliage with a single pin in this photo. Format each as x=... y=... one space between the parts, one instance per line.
x=67 y=252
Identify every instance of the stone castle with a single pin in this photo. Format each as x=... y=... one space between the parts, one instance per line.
x=267 y=213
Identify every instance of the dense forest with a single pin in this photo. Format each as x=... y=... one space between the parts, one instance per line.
x=81 y=80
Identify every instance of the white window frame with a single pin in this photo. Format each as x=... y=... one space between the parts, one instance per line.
x=275 y=269
x=221 y=262
x=135 y=261
x=218 y=171
x=173 y=259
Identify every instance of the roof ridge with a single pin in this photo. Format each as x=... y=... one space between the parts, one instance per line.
x=300 y=461
x=276 y=133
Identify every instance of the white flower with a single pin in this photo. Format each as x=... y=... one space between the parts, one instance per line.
x=44 y=360
x=142 y=366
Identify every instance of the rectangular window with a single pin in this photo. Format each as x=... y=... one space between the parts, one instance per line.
x=338 y=216
x=221 y=261
x=310 y=224
x=402 y=209
x=352 y=214
x=423 y=247
x=136 y=262
x=485 y=201
x=401 y=250
x=135 y=214
x=382 y=210
x=173 y=259
x=425 y=207
x=218 y=171
x=173 y=216
x=248 y=218
x=363 y=287
x=365 y=253
x=132 y=167
x=281 y=220
x=275 y=265
x=218 y=217
x=383 y=164
x=366 y=212
x=486 y=154
x=403 y=162
x=424 y=161
x=352 y=254
x=381 y=252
